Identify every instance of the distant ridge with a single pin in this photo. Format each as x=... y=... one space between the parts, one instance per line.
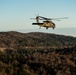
x=13 y=39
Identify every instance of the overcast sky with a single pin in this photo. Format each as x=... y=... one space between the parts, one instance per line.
x=16 y=14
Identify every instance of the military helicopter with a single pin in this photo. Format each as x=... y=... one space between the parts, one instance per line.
x=47 y=23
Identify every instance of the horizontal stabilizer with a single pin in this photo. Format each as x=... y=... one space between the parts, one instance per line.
x=37 y=23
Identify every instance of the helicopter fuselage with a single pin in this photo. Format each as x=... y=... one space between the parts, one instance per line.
x=47 y=24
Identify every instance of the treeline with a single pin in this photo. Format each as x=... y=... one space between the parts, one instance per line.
x=15 y=39
x=38 y=62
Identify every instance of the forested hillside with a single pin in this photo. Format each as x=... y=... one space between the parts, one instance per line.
x=37 y=53
x=14 y=39
x=38 y=62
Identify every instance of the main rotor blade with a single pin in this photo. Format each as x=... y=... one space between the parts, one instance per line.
x=53 y=18
x=35 y=19
x=44 y=18
x=59 y=18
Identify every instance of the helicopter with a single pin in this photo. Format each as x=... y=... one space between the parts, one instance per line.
x=47 y=22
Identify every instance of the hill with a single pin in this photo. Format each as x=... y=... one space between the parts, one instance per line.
x=13 y=39
x=30 y=57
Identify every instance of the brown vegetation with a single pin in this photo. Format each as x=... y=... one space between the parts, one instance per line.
x=37 y=54
x=14 y=39
x=38 y=62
